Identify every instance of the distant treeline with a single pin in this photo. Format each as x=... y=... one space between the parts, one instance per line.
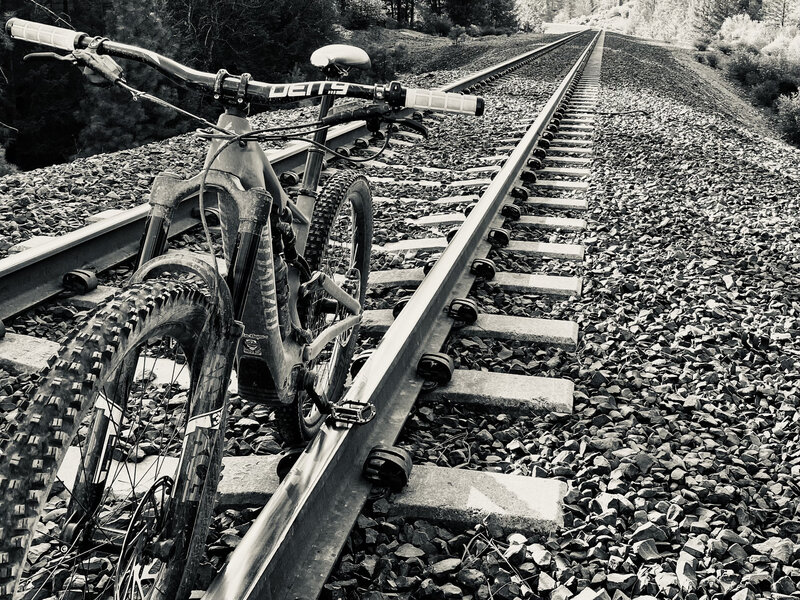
x=58 y=115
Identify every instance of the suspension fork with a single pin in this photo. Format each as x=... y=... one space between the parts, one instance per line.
x=159 y=219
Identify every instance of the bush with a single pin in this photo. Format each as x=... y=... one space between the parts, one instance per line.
x=6 y=168
x=789 y=117
x=765 y=93
x=742 y=30
x=430 y=22
x=474 y=31
x=712 y=59
x=386 y=63
x=725 y=48
x=362 y=14
x=743 y=66
x=701 y=44
x=700 y=57
x=436 y=24
x=457 y=34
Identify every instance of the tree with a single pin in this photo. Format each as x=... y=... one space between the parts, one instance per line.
x=782 y=13
x=710 y=14
x=44 y=100
x=501 y=13
x=531 y=14
x=403 y=10
x=495 y=13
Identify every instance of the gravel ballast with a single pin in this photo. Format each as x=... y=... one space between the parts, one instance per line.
x=682 y=452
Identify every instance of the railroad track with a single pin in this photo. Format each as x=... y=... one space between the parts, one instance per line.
x=289 y=550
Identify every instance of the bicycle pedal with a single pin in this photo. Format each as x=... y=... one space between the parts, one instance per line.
x=353 y=413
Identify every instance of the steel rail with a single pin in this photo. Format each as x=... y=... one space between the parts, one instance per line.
x=290 y=549
x=35 y=275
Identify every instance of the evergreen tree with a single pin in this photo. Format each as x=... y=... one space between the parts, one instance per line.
x=500 y=13
x=783 y=13
x=710 y=14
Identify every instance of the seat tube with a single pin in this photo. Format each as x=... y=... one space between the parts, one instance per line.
x=315 y=154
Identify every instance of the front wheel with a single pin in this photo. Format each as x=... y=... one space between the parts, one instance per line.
x=108 y=473
x=339 y=245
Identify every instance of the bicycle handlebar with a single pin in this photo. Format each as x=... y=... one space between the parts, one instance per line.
x=239 y=88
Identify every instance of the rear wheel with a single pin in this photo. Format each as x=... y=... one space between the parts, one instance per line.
x=339 y=245
x=95 y=501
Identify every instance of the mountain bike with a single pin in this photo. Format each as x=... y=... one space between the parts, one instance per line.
x=109 y=470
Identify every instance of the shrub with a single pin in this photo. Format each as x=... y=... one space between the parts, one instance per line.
x=741 y=29
x=793 y=50
x=723 y=47
x=701 y=44
x=700 y=57
x=789 y=117
x=474 y=31
x=6 y=168
x=765 y=93
x=386 y=63
x=362 y=14
x=457 y=34
x=436 y=24
x=742 y=66
x=712 y=59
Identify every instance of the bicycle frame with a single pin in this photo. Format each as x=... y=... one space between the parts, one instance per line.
x=248 y=195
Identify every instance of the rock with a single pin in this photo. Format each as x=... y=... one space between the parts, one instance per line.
x=366 y=567
x=589 y=594
x=744 y=594
x=471 y=578
x=776 y=548
x=784 y=585
x=644 y=462
x=540 y=555
x=448 y=565
x=515 y=554
x=647 y=550
x=561 y=593
x=517 y=538
x=546 y=583
x=428 y=589
x=408 y=551
x=687 y=578
x=620 y=581
x=695 y=547
x=649 y=531
x=731 y=537
x=737 y=553
x=451 y=591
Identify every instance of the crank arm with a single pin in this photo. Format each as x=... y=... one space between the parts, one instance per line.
x=329 y=286
x=312 y=350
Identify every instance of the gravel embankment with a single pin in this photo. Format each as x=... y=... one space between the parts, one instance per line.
x=682 y=452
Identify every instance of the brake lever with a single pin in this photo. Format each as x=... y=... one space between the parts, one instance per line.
x=412 y=124
x=33 y=56
x=99 y=69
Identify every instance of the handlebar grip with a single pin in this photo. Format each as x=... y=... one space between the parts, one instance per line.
x=56 y=37
x=444 y=101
